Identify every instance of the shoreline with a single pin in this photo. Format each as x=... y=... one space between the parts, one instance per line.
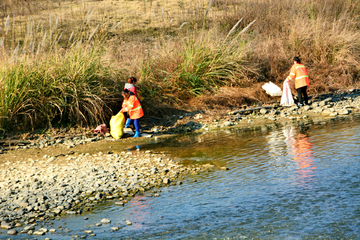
x=36 y=190
x=45 y=187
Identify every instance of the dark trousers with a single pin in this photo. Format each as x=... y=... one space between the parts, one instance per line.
x=302 y=95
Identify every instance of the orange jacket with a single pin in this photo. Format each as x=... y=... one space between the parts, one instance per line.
x=299 y=73
x=133 y=107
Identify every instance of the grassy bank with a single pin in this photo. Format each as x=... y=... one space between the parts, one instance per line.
x=66 y=62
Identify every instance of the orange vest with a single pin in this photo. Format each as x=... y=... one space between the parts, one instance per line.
x=299 y=72
x=133 y=107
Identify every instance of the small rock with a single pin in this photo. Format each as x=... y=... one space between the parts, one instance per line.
x=105 y=220
x=38 y=233
x=88 y=231
x=227 y=124
x=12 y=232
x=224 y=168
x=5 y=225
x=264 y=111
x=128 y=222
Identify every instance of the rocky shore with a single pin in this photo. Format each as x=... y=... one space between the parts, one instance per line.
x=44 y=188
x=36 y=190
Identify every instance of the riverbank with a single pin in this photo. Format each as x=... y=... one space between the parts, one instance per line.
x=39 y=187
x=35 y=190
x=321 y=107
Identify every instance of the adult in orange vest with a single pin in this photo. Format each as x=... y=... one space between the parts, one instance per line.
x=132 y=106
x=299 y=72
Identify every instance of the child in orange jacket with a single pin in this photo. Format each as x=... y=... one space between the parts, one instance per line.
x=132 y=106
x=130 y=85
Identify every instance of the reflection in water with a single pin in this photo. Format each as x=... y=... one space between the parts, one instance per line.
x=140 y=207
x=301 y=149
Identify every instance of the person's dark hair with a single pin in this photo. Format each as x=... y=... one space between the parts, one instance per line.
x=132 y=80
x=297 y=59
x=125 y=91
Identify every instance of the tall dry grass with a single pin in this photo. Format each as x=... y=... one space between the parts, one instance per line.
x=181 y=51
x=65 y=88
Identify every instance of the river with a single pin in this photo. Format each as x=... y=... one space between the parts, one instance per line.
x=282 y=183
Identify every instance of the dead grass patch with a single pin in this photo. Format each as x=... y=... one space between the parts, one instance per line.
x=232 y=97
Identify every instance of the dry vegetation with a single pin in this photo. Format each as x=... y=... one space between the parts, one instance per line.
x=66 y=60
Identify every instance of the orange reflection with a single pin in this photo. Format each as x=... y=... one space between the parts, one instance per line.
x=303 y=156
x=140 y=210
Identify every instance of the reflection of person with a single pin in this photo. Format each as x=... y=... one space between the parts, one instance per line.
x=303 y=156
x=299 y=72
x=301 y=149
x=132 y=106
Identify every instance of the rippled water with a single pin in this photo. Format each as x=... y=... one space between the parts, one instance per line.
x=284 y=183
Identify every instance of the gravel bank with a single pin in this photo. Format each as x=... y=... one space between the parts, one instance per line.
x=43 y=189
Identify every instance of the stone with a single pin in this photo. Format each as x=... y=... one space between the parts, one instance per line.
x=56 y=211
x=264 y=111
x=344 y=112
x=105 y=220
x=306 y=108
x=28 y=228
x=227 y=124
x=12 y=232
x=24 y=204
x=6 y=225
x=38 y=233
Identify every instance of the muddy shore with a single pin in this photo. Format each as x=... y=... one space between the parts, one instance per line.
x=42 y=178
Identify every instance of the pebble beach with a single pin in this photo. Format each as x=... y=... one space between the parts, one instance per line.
x=36 y=190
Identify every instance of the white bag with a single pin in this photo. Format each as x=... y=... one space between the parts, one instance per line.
x=286 y=98
x=272 y=89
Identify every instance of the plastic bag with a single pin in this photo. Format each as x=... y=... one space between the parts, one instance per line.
x=286 y=98
x=272 y=89
x=117 y=123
